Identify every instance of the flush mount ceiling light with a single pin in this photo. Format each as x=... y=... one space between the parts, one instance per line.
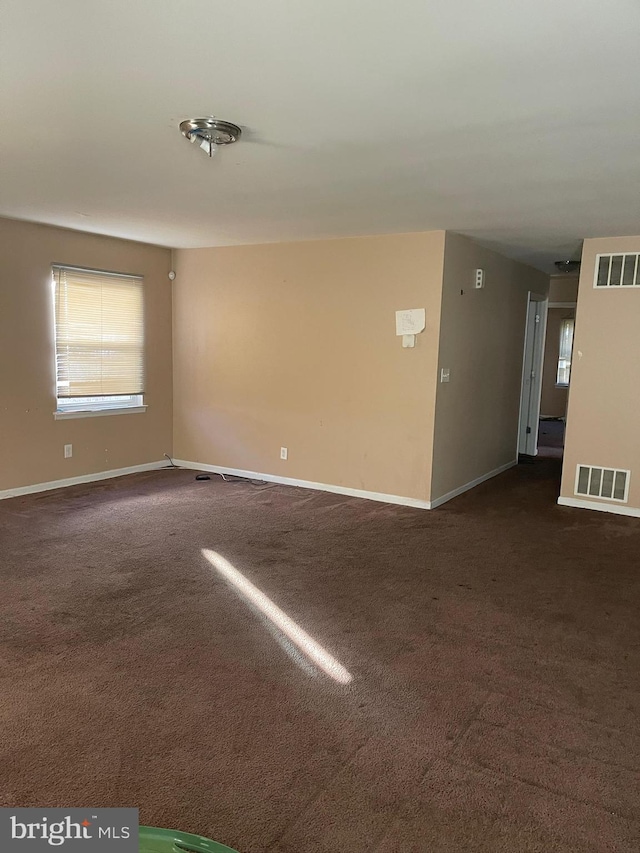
x=210 y=132
x=567 y=266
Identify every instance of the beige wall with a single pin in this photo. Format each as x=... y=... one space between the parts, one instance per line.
x=294 y=345
x=554 y=399
x=563 y=288
x=481 y=342
x=31 y=442
x=603 y=420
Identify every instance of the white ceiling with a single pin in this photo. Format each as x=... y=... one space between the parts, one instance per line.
x=516 y=122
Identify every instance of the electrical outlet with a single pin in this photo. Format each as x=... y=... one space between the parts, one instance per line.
x=284 y=453
x=68 y=451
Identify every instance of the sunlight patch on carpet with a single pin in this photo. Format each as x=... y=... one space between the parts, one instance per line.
x=313 y=650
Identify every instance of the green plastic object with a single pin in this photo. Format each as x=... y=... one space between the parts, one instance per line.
x=154 y=840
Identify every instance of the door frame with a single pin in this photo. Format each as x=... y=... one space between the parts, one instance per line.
x=532 y=364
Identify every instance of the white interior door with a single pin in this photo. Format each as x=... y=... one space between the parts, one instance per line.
x=536 y=326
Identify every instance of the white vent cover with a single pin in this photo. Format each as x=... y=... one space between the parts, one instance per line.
x=617 y=270
x=612 y=484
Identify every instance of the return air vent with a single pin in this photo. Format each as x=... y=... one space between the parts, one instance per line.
x=617 y=271
x=609 y=483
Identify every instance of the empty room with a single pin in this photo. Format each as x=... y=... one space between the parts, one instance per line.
x=319 y=418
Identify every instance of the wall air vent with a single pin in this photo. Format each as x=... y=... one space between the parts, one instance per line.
x=609 y=483
x=621 y=270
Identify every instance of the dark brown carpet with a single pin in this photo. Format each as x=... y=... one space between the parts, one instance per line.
x=493 y=643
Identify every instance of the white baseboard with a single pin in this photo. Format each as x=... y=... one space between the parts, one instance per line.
x=84 y=478
x=461 y=489
x=305 y=484
x=598 y=506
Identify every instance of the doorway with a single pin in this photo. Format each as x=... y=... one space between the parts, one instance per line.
x=535 y=331
x=556 y=373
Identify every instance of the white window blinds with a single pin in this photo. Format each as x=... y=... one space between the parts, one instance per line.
x=99 y=333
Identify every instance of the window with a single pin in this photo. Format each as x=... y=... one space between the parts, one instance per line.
x=564 y=357
x=617 y=270
x=99 y=330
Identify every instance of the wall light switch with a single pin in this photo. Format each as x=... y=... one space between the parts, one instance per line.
x=284 y=453
x=444 y=374
x=68 y=451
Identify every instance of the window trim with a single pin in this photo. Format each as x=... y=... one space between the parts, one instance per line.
x=100 y=413
x=79 y=407
x=95 y=271
x=635 y=282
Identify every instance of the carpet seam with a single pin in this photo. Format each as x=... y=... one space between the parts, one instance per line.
x=318 y=793
x=567 y=749
x=564 y=713
x=403 y=805
x=513 y=777
x=474 y=716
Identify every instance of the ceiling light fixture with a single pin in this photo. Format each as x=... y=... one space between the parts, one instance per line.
x=567 y=266
x=210 y=132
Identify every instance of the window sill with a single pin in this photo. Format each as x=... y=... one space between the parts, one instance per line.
x=562 y=385
x=124 y=410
